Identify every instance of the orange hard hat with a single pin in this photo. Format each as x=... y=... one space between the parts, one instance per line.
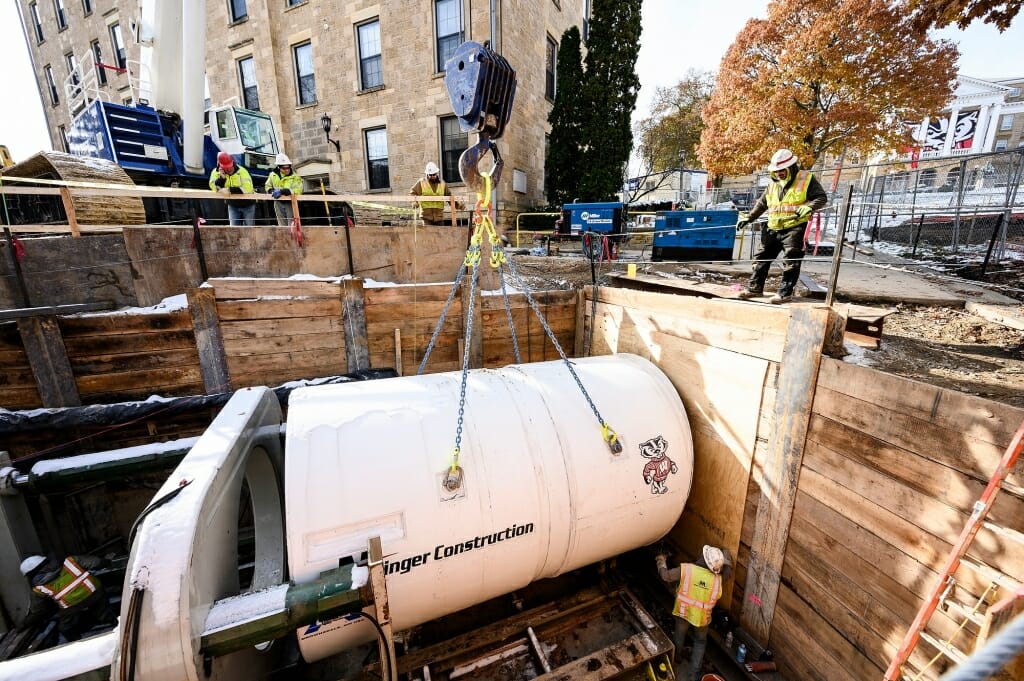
x=225 y=161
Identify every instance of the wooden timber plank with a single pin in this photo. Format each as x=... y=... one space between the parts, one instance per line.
x=353 y=314
x=329 y=364
x=384 y=343
x=48 y=358
x=264 y=345
x=91 y=365
x=974 y=416
x=132 y=394
x=119 y=323
x=493 y=302
x=500 y=329
x=161 y=341
x=202 y=304
x=269 y=328
x=798 y=652
x=935 y=480
x=766 y=324
x=579 y=339
x=22 y=397
x=229 y=288
x=419 y=328
x=278 y=309
x=815 y=608
x=13 y=358
x=919 y=509
x=427 y=310
x=415 y=293
x=781 y=468
x=498 y=319
x=140 y=381
x=957 y=449
x=18 y=376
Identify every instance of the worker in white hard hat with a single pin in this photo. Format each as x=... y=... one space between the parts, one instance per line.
x=71 y=589
x=790 y=199
x=281 y=184
x=698 y=588
x=432 y=185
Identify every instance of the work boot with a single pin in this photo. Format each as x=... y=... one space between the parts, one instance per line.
x=747 y=293
x=781 y=297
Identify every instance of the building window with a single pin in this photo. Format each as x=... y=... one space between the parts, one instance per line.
x=117 y=42
x=72 y=64
x=295 y=3
x=453 y=142
x=1007 y=122
x=304 y=77
x=550 y=62
x=97 y=57
x=64 y=146
x=1001 y=145
x=1014 y=92
x=62 y=16
x=586 y=20
x=127 y=101
x=237 y=10
x=87 y=7
x=36 y=23
x=51 y=85
x=371 y=73
x=247 y=75
x=448 y=22
x=377 y=158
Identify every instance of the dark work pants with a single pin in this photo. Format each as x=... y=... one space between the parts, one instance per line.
x=789 y=242
x=700 y=642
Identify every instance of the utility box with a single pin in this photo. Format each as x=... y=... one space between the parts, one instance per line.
x=694 y=234
x=600 y=218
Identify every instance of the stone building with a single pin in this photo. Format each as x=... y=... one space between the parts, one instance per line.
x=375 y=68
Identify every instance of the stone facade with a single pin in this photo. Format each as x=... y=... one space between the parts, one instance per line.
x=408 y=105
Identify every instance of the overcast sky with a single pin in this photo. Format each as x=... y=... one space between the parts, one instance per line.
x=677 y=35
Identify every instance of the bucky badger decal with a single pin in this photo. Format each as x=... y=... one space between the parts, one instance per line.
x=657 y=470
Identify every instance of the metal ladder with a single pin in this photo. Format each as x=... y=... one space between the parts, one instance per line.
x=946 y=583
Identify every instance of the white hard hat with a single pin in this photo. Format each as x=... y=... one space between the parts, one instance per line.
x=282 y=160
x=31 y=563
x=715 y=558
x=783 y=158
x=431 y=169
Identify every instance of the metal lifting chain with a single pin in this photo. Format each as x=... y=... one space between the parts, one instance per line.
x=440 y=321
x=508 y=313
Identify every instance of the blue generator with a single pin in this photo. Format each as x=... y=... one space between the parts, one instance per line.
x=600 y=218
x=694 y=235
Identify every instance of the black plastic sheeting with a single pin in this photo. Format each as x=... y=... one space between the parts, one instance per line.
x=19 y=422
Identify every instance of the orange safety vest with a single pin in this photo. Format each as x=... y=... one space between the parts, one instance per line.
x=782 y=209
x=72 y=586
x=699 y=590
x=427 y=190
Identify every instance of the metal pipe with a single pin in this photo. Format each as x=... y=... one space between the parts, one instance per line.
x=193 y=81
x=248 y=619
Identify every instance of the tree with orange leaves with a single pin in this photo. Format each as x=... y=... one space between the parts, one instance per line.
x=940 y=13
x=816 y=75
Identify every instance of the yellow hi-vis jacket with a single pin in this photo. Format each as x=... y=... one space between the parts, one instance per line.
x=291 y=182
x=240 y=178
x=72 y=586
x=699 y=590
x=427 y=190
x=782 y=209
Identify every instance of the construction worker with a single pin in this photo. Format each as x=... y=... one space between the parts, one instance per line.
x=698 y=588
x=790 y=199
x=230 y=178
x=432 y=185
x=281 y=184
x=70 y=588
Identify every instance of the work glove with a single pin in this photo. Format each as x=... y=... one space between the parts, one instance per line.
x=235 y=190
x=276 y=193
x=742 y=222
x=220 y=181
x=661 y=561
x=285 y=191
x=803 y=211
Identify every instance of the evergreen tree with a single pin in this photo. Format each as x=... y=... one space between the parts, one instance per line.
x=561 y=168
x=609 y=97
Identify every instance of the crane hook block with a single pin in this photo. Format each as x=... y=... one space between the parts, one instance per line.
x=481 y=87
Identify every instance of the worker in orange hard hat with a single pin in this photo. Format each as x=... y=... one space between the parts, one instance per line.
x=698 y=588
x=433 y=186
x=230 y=178
x=790 y=198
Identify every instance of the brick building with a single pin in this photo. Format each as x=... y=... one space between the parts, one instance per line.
x=376 y=68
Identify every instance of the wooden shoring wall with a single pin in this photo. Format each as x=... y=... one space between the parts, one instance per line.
x=17 y=382
x=891 y=470
x=879 y=473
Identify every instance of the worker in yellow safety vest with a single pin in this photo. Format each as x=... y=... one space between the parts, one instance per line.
x=230 y=178
x=698 y=588
x=790 y=198
x=281 y=184
x=432 y=186
x=71 y=586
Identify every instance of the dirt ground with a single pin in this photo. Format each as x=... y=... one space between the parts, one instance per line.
x=940 y=346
